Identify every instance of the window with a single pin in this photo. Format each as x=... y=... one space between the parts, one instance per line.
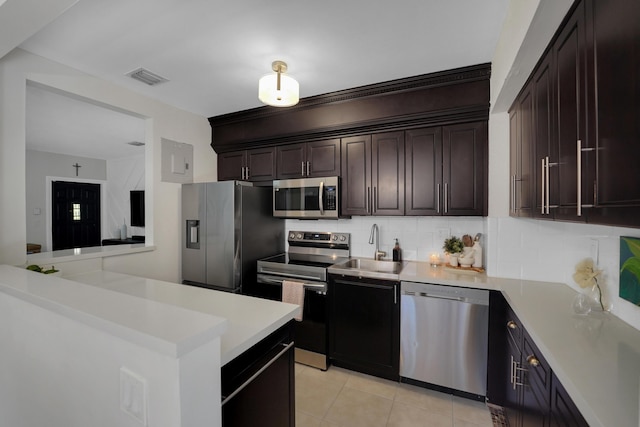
x=76 y=212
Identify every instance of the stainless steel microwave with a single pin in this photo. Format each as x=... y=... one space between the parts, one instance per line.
x=310 y=198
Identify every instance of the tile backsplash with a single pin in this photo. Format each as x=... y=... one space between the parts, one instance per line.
x=514 y=248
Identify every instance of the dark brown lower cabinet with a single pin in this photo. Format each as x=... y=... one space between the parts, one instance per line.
x=563 y=411
x=258 y=387
x=519 y=378
x=364 y=325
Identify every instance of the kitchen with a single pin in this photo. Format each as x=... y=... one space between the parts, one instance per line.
x=514 y=247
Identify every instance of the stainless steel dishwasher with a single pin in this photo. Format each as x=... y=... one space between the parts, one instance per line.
x=443 y=337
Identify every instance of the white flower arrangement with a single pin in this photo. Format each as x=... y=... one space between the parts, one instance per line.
x=586 y=276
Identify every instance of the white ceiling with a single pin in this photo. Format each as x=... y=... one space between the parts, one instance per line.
x=61 y=124
x=213 y=52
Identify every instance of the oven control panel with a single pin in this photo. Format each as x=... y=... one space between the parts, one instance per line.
x=321 y=238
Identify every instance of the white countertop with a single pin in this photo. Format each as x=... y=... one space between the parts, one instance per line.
x=166 y=329
x=595 y=357
x=87 y=253
x=249 y=319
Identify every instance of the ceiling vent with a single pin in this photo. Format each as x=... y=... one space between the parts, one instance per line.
x=146 y=76
x=136 y=143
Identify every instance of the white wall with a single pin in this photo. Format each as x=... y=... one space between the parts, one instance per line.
x=161 y=120
x=123 y=175
x=419 y=237
x=39 y=166
x=58 y=372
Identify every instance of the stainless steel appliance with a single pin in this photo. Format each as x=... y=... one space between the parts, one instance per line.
x=310 y=254
x=227 y=227
x=443 y=337
x=306 y=198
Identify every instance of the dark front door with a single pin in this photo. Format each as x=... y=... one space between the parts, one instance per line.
x=75 y=215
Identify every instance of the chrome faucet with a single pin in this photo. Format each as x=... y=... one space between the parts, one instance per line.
x=375 y=231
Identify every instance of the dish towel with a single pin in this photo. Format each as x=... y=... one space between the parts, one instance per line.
x=293 y=293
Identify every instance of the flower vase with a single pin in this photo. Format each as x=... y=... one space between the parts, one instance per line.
x=453 y=260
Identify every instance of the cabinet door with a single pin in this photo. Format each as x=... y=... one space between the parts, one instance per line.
x=464 y=169
x=537 y=124
x=365 y=326
x=537 y=389
x=291 y=161
x=230 y=165
x=570 y=124
x=617 y=66
x=521 y=151
x=323 y=158
x=356 y=175
x=564 y=412
x=387 y=173
x=261 y=164
x=423 y=171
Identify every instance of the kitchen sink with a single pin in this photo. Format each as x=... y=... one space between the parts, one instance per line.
x=363 y=267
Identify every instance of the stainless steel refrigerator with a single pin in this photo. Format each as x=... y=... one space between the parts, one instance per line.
x=227 y=227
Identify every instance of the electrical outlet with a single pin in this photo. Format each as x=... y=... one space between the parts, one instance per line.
x=133 y=395
x=443 y=233
x=593 y=250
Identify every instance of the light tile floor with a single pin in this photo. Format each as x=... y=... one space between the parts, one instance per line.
x=343 y=398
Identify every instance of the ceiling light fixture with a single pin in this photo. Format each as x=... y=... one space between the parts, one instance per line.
x=277 y=89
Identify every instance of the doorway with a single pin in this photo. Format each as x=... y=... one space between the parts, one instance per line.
x=75 y=215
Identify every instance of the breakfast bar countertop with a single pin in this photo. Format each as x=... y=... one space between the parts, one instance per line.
x=249 y=319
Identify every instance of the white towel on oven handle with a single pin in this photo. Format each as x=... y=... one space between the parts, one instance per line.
x=293 y=293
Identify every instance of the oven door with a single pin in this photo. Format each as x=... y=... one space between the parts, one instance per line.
x=310 y=333
x=306 y=198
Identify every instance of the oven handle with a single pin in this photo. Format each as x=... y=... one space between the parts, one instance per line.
x=272 y=281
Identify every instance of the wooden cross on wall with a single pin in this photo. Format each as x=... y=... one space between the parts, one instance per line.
x=77 y=166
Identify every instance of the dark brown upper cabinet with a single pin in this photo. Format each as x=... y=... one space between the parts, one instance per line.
x=464 y=169
x=308 y=159
x=521 y=149
x=585 y=101
x=616 y=51
x=256 y=165
x=423 y=165
x=537 y=123
x=373 y=174
x=571 y=143
x=446 y=170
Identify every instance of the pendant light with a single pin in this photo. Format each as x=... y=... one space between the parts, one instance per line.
x=278 y=89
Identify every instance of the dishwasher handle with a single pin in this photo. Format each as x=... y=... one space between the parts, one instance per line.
x=445 y=292
x=428 y=295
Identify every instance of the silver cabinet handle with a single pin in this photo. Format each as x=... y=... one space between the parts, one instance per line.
x=547 y=188
x=321 y=197
x=542 y=185
x=579 y=179
x=446 y=198
x=308 y=167
x=368 y=201
x=242 y=173
x=247 y=173
x=374 y=207
x=257 y=374
x=302 y=171
x=513 y=193
x=438 y=198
